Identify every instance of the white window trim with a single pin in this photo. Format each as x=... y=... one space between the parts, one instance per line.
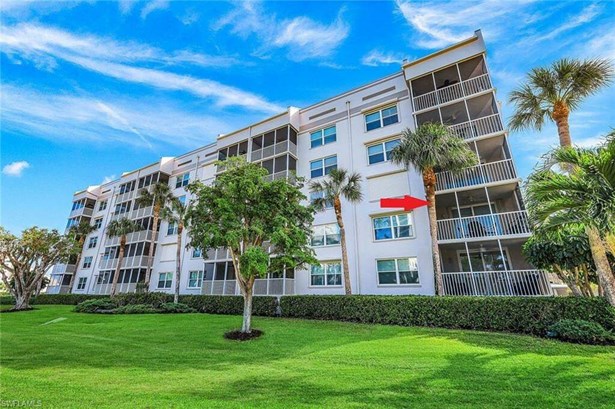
x=201 y=279
x=380 y=109
x=158 y=281
x=310 y=285
x=419 y=284
x=326 y=245
x=322 y=160
x=379 y=142
x=410 y=216
x=322 y=137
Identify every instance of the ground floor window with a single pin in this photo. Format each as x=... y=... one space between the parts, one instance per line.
x=81 y=283
x=326 y=274
x=165 y=280
x=195 y=280
x=397 y=271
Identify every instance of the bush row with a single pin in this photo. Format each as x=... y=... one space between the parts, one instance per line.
x=58 y=299
x=509 y=314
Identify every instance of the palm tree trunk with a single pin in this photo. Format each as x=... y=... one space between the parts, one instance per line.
x=178 y=263
x=337 y=205
x=560 y=116
x=150 y=253
x=603 y=268
x=429 y=181
x=72 y=278
x=116 y=275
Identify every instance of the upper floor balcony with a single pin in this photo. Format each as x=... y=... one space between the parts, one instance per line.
x=142 y=235
x=63 y=269
x=475 y=128
x=496 y=225
x=453 y=92
x=135 y=214
x=485 y=173
x=81 y=211
x=127 y=262
x=273 y=150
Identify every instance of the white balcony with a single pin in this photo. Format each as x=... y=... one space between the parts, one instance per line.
x=82 y=211
x=498 y=283
x=486 y=173
x=105 y=289
x=487 y=125
x=63 y=269
x=273 y=150
x=285 y=174
x=453 y=92
x=125 y=196
x=128 y=262
x=143 y=235
x=262 y=286
x=135 y=214
x=505 y=225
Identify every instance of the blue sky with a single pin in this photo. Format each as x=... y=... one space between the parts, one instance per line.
x=92 y=89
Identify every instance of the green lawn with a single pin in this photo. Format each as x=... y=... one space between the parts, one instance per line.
x=160 y=361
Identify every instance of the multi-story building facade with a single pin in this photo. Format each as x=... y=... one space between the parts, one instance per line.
x=482 y=222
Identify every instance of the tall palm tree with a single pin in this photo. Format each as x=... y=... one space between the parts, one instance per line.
x=585 y=194
x=177 y=212
x=552 y=93
x=79 y=233
x=158 y=198
x=339 y=184
x=432 y=147
x=120 y=228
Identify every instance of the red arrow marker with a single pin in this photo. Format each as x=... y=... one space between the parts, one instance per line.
x=407 y=202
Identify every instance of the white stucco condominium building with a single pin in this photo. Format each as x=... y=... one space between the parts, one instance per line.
x=482 y=222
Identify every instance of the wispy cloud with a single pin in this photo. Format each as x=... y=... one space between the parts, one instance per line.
x=109 y=178
x=153 y=6
x=302 y=37
x=119 y=60
x=15 y=168
x=376 y=57
x=587 y=15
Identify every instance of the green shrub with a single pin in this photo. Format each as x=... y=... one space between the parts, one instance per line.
x=529 y=315
x=581 y=332
x=170 y=307
x=230 y=304
x=96 y=305
x=155 y=299
x=136 y=309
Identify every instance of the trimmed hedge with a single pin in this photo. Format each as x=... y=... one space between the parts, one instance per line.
x=231 y=304
x=581 y=332
x=57 y=299
x=528 y=315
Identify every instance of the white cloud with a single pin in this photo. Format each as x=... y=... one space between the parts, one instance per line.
x=114 y=59
x=108 y=179
x=15 y=168
x=153 y=6
x=375 y=58
x=301 y=36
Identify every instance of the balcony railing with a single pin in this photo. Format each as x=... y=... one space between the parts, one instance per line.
x=453 y=92
x=128 y=262
x=143 y=235
x=498 y=283
x=57 y=289
x=82 y=211
x=125 y=196
x=135 y=214
x=278 y=148
x=63 y=268
x=484 y=226
x=263 y=286
x=477 y=175
x=475 y=128
x=285 y=174
x=104 y=289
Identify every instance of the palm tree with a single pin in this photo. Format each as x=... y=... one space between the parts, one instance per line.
x=177 y=212
x=339 y=184
x=430 y=148
x=79 y=232
x=552 y=93
x=121 y=228
x=158 y=198
x=585 y=195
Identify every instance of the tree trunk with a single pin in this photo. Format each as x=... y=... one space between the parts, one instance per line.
x=116 y=275
x=603 y=268
x=22 y=301
x=150 y=253
x=429 y=181
x=560 y=116
x=337 y=205
x=247 y=311
x=72 y=278
x=178 y=264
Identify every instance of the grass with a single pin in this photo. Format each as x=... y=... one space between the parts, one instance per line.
x=182 y=361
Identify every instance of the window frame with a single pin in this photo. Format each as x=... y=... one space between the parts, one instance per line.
x=411 y=224
x=167 y=280
x=381 y=117
x=382 y=143
x=199 y=279
x=325 y=275
x=195 y=250
x=85 y=259
x=81 y=283
x=397 y=271
x=182 y=180
x=174 y=226
x=323 y=138
x=324 y=235
x=93 y=242
x=323 y=166
x=328 y=204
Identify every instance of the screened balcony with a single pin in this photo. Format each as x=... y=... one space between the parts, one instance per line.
x=274 y=143
x=219 y=279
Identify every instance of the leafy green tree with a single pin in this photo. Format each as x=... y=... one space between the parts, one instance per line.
x=432 y=147
x=584 y=194
x=247 y=214
x=120 y=228
x=158 y=196
x=564 y=251
x=339 y=184
x=177 y=212
x=79 y=233
x=25 y=260
x=552 y=93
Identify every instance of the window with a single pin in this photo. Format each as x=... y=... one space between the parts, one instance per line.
x=81 y=283
x=318 y=195
x=196 y=279
x=102 y=205
x=326 y=274
x=196 y=253
x=398 y=271
x=182 y=180
x=87 y=262
x=326 y=235
x=395 y=226
x=323 y=136
x=182 y=199
x=97 y=223
x=165 y=280
x=485 y=260
x=78 y=204
x=381 y=152
x=172 y=229
x=384 y=117
x=92 y=243
x=320 y=167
